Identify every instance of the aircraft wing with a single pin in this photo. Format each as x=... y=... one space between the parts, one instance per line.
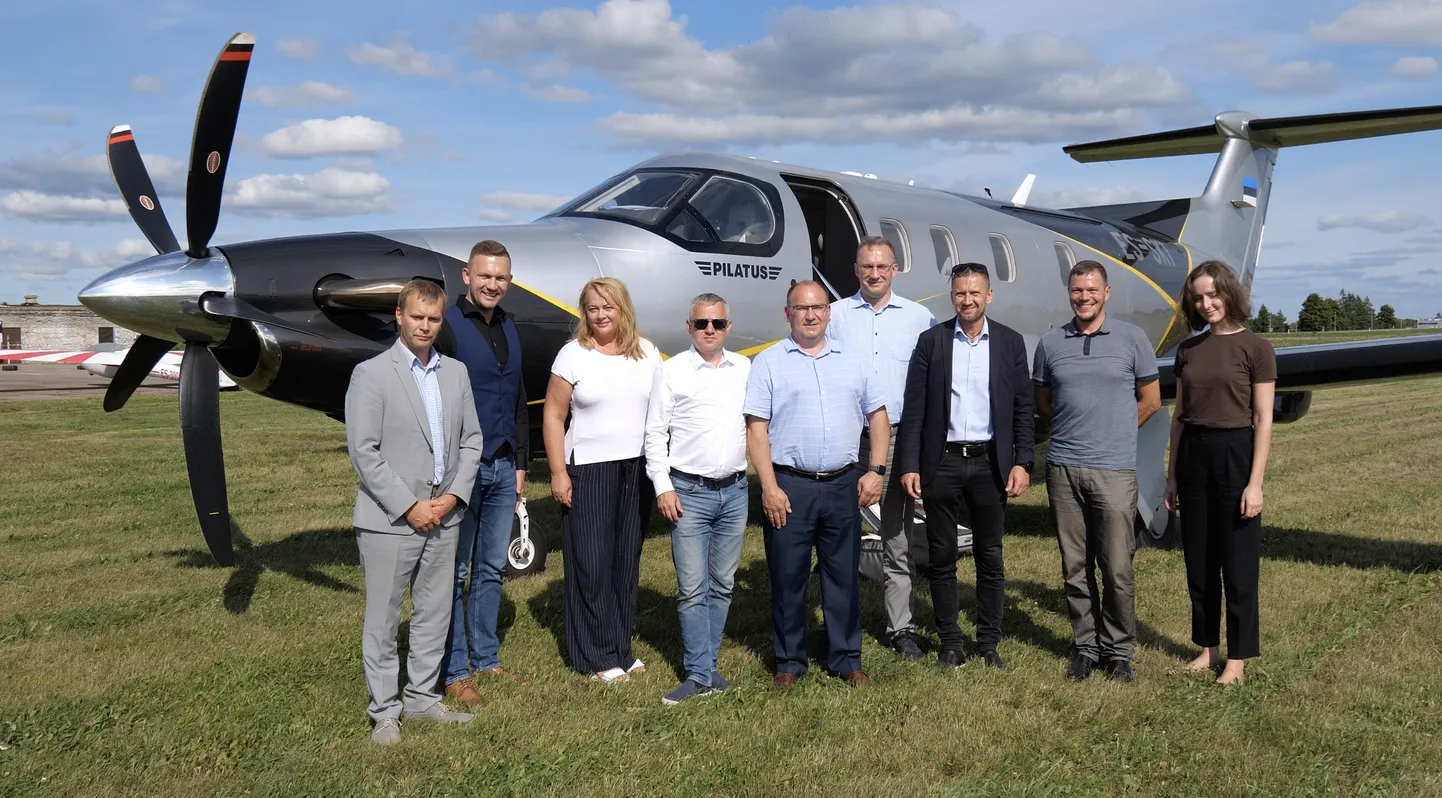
x=1316 y=365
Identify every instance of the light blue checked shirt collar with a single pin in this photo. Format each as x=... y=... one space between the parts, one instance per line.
x=430 y=387
x=885 y=338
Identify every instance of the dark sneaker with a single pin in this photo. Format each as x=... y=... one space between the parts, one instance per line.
x=950 y=658
x=993 y=659
x=719 y=683
x=904 y=644
x=1081 y=667
x=688 y=689
x=1119 y=670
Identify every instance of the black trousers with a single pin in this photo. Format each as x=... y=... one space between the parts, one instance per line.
x=601 y=536
x=969 y=481
x=1223 y=549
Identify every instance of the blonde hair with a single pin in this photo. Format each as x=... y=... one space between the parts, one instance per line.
x=611 y=290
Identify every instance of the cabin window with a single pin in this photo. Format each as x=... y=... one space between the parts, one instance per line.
x=1001 y=254
x=735 y=211
x=944 y=245
x=895 y=234
x=1064 y=261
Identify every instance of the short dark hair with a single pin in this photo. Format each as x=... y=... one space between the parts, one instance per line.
x=489 y=247
x=1229 y=288
x=422 y=289
x=969 y=268
x=875 y=241
x=1087 y=267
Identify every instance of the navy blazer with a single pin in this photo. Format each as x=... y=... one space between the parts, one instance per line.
x=926 y=412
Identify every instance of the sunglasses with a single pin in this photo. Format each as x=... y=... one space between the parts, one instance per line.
x=718 y=324
x=967 y=268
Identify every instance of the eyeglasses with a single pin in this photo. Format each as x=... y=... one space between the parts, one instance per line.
x=877 y=268
x=967 y=268
x=808 y=308
x=717 y=324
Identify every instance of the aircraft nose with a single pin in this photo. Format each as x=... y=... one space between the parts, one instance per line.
x=160 y=296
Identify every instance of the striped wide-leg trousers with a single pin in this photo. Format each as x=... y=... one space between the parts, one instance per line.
x=601 y=536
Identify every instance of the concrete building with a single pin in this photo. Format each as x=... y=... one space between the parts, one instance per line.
x=32 y=325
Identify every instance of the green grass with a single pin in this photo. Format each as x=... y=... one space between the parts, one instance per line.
x=132 y=667
x=1337 y=336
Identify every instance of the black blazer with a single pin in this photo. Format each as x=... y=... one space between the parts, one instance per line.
x=926 y=412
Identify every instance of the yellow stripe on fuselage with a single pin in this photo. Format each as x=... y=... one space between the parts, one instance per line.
x=558 y=303
x=1172 y=303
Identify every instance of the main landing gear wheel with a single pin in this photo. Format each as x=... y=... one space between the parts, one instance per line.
x=525 y=555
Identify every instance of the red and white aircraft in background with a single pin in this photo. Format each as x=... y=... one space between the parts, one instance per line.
x=104 y=364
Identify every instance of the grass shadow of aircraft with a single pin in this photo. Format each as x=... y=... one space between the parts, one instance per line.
x=299 y=556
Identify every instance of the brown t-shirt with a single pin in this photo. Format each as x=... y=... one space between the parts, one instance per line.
x=1216 y=374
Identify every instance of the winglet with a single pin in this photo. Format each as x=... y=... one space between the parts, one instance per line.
x=1023 y=193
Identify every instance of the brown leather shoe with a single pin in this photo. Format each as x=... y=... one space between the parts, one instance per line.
x=463 y=691
x=502 y=672
x=857 y=678
x=783 y=681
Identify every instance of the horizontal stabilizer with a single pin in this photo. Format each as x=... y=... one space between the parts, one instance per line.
x=1317 y=365
x=1279 y=131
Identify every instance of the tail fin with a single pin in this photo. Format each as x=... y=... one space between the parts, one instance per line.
x=1226 y=221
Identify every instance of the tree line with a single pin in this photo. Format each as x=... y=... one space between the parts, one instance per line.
x=1345 y=312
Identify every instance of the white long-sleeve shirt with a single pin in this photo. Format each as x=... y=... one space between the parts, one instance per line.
x=694 y=421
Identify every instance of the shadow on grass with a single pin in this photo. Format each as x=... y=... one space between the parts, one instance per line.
x=299 y=556
x=1053 y=599
x=1328 y=548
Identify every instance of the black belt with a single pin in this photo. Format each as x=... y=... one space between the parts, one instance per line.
x=819 y=476
x=968 y=448
x=713 y=484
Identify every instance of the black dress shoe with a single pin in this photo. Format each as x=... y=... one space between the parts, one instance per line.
x=1080 y=668
x=993 y=659
x=1119 y=670
x=904 y=644
x=950 y=658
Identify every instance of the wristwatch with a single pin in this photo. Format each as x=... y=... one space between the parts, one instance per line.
x=878 y=469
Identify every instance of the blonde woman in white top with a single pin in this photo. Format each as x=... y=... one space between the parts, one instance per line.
x=602 y=377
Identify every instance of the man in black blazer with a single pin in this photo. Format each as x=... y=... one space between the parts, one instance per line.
x=966 y=436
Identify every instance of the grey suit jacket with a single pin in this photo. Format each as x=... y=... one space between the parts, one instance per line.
x=389 y=440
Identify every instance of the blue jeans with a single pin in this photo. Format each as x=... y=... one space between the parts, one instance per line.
x=706 y=545
x=481 y=554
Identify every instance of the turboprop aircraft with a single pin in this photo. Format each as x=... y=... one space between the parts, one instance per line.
x=104 y=363
x=289 y=318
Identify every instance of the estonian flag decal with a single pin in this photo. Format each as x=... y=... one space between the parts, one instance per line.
x=1249 y=194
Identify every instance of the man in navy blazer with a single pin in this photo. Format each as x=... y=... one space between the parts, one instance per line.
x=966 y=436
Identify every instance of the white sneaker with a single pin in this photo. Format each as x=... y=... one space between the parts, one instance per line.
x=438 y=713
x=612 y=676
x=637 y=667
x=386 y=732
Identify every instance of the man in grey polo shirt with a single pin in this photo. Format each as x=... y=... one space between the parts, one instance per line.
x=1096 y=383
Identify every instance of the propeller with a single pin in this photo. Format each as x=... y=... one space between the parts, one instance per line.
x=210 y=146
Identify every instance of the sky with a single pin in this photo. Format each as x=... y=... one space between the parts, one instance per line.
x=371 y=116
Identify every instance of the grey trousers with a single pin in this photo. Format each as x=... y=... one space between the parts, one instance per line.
x=896 y=511
x=1094 y=511
x=389 y=563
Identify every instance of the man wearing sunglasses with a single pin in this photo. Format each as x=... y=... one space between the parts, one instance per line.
x=966 y=438
x=882 y=327
x=696 y=459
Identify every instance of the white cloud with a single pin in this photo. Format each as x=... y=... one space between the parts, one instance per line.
x=59 y=117
x=83 y=175
x=39 y=207
x=520 y=201
x=52 y=260
x=1245 y=59
x=1413 y=67
x=494 y=215
x=346 y=135
x=401 y=58
x=329 y=192
x=556 y=93
x=1406 y=22
x=299 y=49
x=146 y=84
x=854 y=69
x=1379 y=222
x=307 y=94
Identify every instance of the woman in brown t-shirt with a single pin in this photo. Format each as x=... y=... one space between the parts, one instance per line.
x=1221 y=435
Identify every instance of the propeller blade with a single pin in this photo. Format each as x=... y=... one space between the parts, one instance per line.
x=204 y=461
x=133 y=181
x=210 y=147
x=142 y=357
x=240 y=309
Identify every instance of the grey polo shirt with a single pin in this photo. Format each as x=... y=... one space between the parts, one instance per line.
x=1093 y=380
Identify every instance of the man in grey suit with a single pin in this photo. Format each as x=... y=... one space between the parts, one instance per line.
x=415 y=442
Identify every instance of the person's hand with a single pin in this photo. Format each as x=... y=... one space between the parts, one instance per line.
x=1169 y=498
x=911 y=483
x=561 y=488
x=869 y=488
x=520 y=487
x=1251 y=501
x=776 y=506
x=1017 y=481
x=422 y=516
x=670 y=505
x=444 y=505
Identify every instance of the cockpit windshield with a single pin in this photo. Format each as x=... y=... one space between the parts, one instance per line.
x=642 y=196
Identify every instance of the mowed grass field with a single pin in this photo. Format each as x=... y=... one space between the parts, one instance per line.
x=133 y=667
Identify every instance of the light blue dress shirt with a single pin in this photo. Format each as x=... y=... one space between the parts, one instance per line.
x=885 y=339
x=971 y=387
x=430 y=387
x=816 y=405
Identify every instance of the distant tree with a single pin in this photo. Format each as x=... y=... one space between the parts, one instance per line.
x=1332 y=311
x=1355 y=312
x=1406 y=324
x=1262 y=322
x=1313 y=315
x=1386 y=318
x=1279 y=322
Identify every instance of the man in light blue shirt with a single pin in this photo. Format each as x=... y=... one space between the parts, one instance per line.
x=806 y=399
x=883 y=328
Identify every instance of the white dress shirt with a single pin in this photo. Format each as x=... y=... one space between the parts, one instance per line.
x=694 y=421
x=971 y=387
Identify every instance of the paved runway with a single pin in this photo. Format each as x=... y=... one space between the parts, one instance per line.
x=61 y=381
